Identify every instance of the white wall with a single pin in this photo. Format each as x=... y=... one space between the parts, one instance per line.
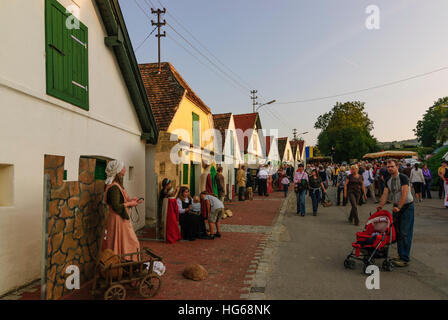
x=33 y=124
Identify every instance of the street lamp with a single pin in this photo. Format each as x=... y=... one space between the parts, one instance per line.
x=261 y=105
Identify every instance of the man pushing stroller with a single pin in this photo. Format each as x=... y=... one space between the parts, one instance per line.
x=403 y=211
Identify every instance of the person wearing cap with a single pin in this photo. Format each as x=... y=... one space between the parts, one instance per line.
x=120 y=236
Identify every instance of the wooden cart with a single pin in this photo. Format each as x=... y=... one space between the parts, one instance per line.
x=113 y=279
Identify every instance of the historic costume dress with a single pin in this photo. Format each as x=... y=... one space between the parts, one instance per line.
x=171 y=215
x=120 y=236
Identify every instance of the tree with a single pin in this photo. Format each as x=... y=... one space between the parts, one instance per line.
x=346 y=132
x=428 y=128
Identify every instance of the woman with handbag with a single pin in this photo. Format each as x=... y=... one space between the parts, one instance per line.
x=315 y=185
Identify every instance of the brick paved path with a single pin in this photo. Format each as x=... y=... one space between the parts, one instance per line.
x=231 y=261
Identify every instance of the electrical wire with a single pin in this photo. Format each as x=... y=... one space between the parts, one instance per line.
x=205 y=48
x=367 y=89
x=205 y=65
x=145 y=39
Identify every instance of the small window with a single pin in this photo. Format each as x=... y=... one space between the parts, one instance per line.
x=100 y=169
x=65 y=175
x=162 y=168
x=6 y=185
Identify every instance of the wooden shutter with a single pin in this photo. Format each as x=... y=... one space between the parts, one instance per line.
x=79 y=66
x=195 y=129
x=67 y=57
x=185 y=174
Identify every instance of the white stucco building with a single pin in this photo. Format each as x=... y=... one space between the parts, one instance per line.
x=68 y=92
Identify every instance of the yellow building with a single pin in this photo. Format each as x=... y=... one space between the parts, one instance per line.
x=184 y=121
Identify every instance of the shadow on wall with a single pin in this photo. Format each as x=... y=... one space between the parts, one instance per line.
x=75 y=220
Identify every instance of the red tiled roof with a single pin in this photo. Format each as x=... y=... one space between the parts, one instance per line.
x=221 y=122
x=244 y=122
x=165 y=92
x=281 y=142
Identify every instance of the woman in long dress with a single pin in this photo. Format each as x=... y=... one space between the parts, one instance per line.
x=120 y=235
x=170 y=214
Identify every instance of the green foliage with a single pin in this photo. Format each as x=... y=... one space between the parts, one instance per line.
x=428 y=128
x=435 y=162
x=347 y=128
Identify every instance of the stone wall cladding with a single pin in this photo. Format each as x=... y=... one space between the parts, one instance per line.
x=76 y=215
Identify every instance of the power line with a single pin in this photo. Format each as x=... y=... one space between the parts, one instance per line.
x=198 y=51
x=205 y=65
x=242 y=84
x=206 y=49
x=145 y=39
x=207 y=58
x=367 y=89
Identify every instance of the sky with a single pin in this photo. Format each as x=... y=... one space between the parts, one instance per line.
x=292 y=50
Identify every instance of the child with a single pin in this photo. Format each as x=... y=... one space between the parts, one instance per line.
x=285 y=183
x=196 y=205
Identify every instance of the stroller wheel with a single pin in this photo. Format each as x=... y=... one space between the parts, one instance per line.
x=349 y=264
x=366 y=265
x=388 y=265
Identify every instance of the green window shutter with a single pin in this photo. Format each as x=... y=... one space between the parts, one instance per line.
x=100 y=169
x=66 y=57
x=195 y=129
x=185 y=174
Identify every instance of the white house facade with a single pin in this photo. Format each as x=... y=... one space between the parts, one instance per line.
x=62 y=92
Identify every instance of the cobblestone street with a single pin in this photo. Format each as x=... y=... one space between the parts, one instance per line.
x=231 y=261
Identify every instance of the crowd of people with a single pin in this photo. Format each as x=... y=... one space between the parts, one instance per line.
x=197 y=217
x=384 y=182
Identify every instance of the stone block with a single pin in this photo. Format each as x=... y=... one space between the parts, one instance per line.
x=53 y=162
x=69 y=225
x=73 y=202
x=66 y=212
x=52 y=174
x=69 y=243
x=58 y=258
x=57 y=291
x=53 y=209
x=56 y=241
x=83 y=164
x=86 y=177
x=74 y=188
x=58 y=227
x=85 y=199
x=61 y=193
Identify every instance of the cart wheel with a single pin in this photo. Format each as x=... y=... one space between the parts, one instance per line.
x=115 y=292
x=388 y=265
x=349 y=264
x=150 y=285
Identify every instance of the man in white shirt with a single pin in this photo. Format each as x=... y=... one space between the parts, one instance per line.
x=369 y=181
x=262 y=176
x=216 y=209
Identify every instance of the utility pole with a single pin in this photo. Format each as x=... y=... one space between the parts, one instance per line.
x=254 y=99
x=294 y=134
x=159 y=24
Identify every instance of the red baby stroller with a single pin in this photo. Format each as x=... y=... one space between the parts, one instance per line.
x=373 y=242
